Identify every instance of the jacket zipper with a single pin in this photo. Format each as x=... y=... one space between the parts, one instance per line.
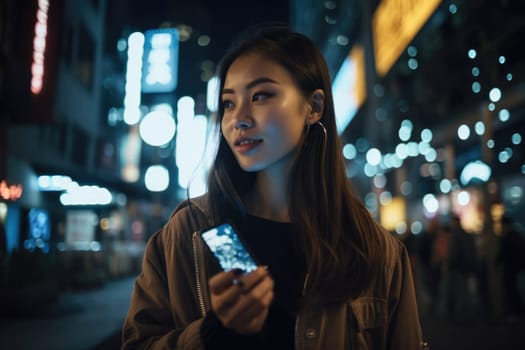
x=305 y=283
x=200 y=295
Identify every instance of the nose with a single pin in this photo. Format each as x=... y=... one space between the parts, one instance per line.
x=243 y=117
x=243 y=123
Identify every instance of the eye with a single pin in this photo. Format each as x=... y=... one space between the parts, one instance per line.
x=227 y=104
x=260 y=96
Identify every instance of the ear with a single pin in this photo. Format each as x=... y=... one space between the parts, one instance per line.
x=317 y=107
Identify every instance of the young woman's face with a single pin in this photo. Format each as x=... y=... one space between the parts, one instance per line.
x=264 y=113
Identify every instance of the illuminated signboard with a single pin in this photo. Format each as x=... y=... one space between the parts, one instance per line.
x=160 y=60
x=39 y=47
x=349 y=87
x=80 y=226
x=129 y=155
x=31 y=64
x=10 y=192
x=394 y=24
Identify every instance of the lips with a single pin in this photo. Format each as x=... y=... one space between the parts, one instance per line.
x=247 y=141
x=244 y=144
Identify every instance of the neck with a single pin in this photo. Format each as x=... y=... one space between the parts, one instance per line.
x=269 y=198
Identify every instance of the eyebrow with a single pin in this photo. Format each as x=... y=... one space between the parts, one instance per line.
x=251 y=84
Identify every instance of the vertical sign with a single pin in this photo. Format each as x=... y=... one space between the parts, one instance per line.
x=349 y=87
x=33 y=35
x=160 y=60
x=39 y=47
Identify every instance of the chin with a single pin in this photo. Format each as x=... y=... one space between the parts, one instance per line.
x=251 y=168
x=251 y=165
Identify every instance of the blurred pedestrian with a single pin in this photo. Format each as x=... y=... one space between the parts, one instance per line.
x=462 y=265
x=511 y=258
x=428 y=272
x=439 y=264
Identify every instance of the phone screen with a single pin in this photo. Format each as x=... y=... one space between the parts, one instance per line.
x=228 y=248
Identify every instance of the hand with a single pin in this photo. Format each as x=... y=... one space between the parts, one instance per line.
x=241 y=302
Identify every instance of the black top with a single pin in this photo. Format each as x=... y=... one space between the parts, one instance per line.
x=275 y=245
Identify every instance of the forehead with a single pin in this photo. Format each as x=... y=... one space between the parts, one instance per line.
x=248 y=67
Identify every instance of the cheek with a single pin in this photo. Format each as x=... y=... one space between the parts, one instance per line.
x=288 y=131
x=224 y=122
x=225 y=127
x=292 y=123
x=289 y=114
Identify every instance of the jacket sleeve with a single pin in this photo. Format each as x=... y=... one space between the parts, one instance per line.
x=404 y=331
x=163 y=312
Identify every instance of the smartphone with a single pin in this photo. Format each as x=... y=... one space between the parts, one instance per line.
x=227 y=247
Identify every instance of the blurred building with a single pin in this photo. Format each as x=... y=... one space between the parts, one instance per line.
x=68 y=217
x=429 y=100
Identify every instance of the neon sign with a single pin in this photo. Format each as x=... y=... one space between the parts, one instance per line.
x=161 y=47
x=395 y=23
x=10 y=192
x=39 y=47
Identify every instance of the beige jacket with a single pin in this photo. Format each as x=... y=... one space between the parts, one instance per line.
x=170 y=298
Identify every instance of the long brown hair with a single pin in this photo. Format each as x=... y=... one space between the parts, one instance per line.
x=341 y=240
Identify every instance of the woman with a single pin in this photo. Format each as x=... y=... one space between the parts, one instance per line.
x=331 y=278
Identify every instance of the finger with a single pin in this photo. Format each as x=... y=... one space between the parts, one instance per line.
x=233 y=289
x=223 y=280
x=249 y=320
x=254 y=325
x=253 y=319
x=253 y=308
x=252 y=303
x=258 y=294
x=257 y=322
x=253 y=278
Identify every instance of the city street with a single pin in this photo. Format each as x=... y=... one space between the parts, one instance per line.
x=91 y=320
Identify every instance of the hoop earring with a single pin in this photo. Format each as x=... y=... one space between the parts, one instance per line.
x=325 y=133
